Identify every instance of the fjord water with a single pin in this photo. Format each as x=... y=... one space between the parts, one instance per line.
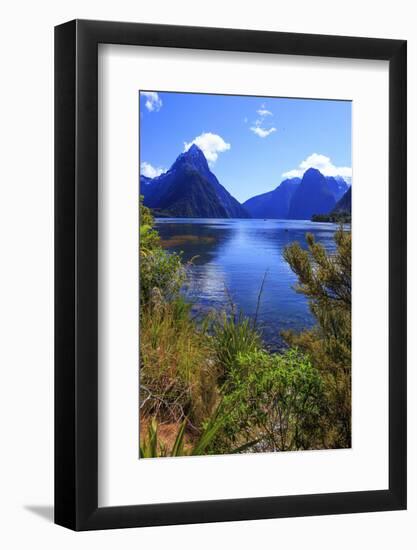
x=229 y=260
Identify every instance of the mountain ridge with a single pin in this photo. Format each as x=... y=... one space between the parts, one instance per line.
x=190 y=176
x=273 y=204
x=313 y=196
x=344 y=205
x=299 y=198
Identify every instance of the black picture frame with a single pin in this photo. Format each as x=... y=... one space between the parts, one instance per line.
x=76 y=272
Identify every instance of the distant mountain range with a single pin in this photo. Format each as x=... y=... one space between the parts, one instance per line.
x=190 y=190
x=299 y=199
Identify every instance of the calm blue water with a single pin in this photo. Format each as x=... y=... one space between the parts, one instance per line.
x=231 y=258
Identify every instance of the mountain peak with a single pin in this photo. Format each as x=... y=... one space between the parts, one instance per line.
x=195 y=150
x=313 y=196
x=194 y=153
x=312 y=172
x=193 y=156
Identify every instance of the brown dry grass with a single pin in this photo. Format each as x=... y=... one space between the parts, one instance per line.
x=178 y=240
x=178 y=373
x=167 y=432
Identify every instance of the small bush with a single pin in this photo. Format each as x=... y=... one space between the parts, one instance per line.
x=162 y=271
x=325 y=279
x=148 y=237
x=158 y=269
x=275 y=399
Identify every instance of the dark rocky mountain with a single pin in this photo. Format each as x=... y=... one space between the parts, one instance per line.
x=144 y=180
x=274 y=204
x=344 y=205
x=341 y=213
x=145 y=184
x=312 y=196
x=299 y=198
x=189 y=189
x=337 y=186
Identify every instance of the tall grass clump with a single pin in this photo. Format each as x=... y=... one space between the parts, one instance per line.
x=178 y=375
x=152 y=445
x=233 y=335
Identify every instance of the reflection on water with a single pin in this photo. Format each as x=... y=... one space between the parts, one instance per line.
x=230 y=258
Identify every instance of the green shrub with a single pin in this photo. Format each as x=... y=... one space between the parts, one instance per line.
x=275 y=399
x=158 y=269
x=162 y=271
x=148 y=237
x=325 y=279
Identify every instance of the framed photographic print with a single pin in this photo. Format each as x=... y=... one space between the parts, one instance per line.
x=230 y=275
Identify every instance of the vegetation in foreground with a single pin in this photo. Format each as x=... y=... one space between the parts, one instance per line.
x=209 y=386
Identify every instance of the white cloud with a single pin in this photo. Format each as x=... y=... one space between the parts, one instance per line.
x=293 y=174
x=210 y=144
x=322 y=163
x=258 y=128
x=153 y=101
x=262 y=132
x=150 y=171
x=264 y=112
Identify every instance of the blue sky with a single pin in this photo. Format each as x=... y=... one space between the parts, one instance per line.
x=251 y=143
